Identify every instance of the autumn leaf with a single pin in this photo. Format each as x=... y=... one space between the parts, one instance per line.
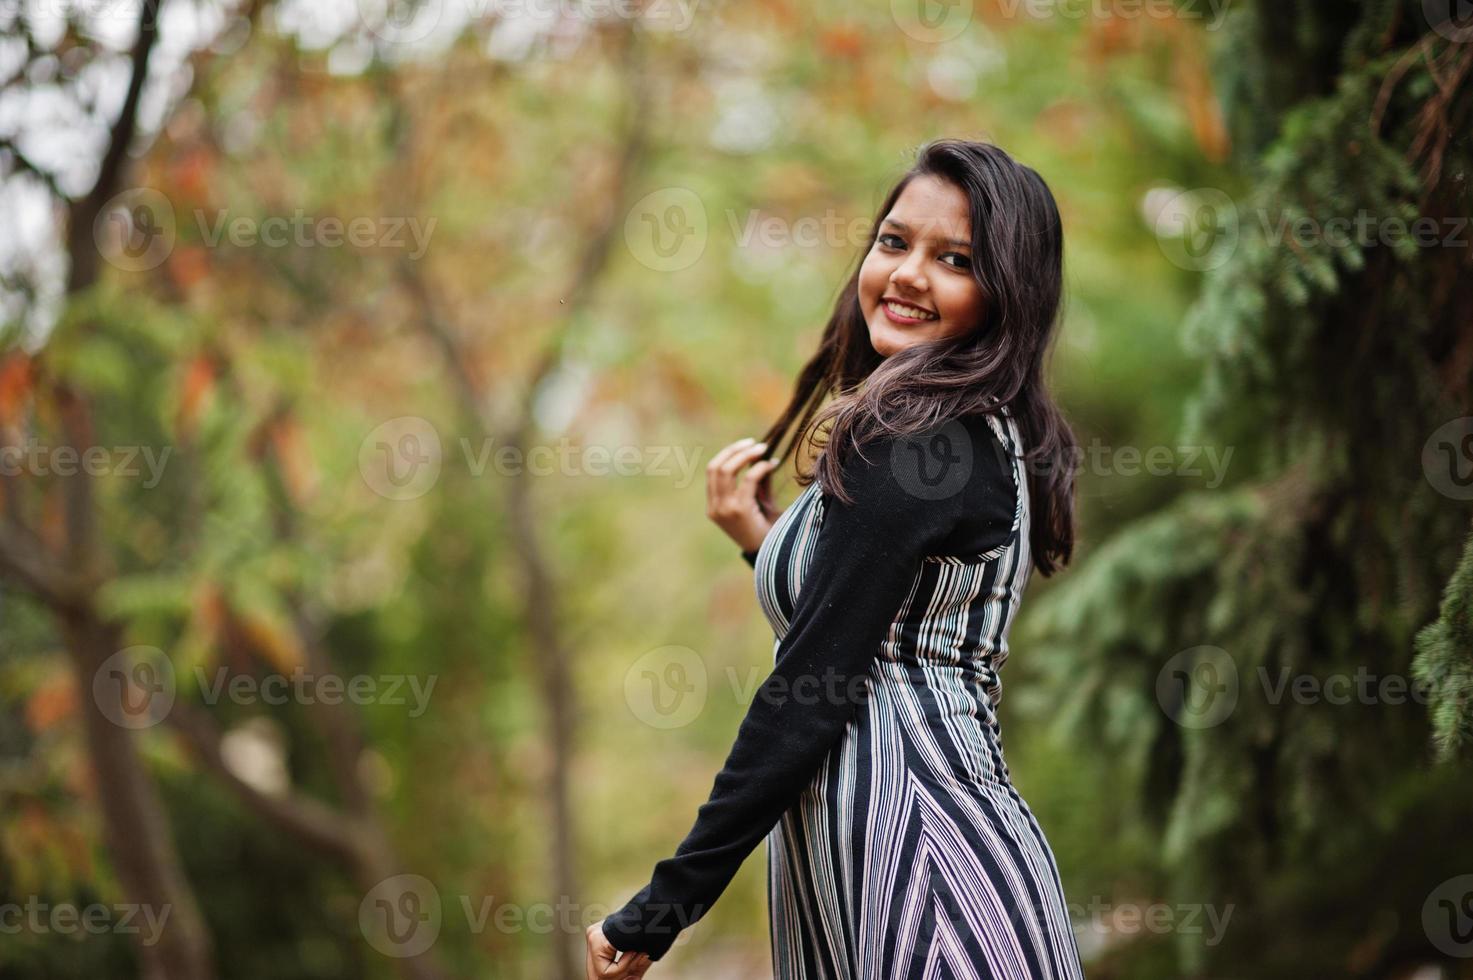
x=195 y=386
x=189 y=265
x=53 y=702
x=289 y=446
x=15 y=384
x=843 y=41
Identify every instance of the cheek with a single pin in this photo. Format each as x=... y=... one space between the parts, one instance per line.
x=872 y=278
x=962 y=304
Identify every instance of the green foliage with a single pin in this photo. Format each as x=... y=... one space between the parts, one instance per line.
x=1329 y=361
x=1445 y=661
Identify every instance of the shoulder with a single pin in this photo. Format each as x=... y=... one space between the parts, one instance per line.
x=928 y=478
x=936 y=461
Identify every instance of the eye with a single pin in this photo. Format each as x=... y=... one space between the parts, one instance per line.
x=962 y=263
x=881 y=239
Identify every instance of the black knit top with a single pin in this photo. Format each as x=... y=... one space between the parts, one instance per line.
x=949 y=491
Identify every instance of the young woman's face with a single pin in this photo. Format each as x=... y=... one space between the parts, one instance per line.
x=916 y=282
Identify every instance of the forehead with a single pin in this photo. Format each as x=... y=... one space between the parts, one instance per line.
x=933 y=208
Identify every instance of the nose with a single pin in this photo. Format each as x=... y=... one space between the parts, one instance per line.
x=909 y=275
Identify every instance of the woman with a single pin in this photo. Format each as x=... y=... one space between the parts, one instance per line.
x=871 y=759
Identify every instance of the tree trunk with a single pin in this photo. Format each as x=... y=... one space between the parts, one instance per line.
x=135 y=825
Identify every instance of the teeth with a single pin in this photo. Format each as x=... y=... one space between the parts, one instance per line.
x=900 y=309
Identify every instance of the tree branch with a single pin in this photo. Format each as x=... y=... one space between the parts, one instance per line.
x=314 y=823
x=81 y=249
x=24 y=164
x=26 y=562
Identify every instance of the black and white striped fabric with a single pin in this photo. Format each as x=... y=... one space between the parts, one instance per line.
x=910 y=854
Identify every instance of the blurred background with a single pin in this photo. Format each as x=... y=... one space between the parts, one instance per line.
x=360 y=362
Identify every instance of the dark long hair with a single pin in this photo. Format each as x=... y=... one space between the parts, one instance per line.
x=1017 y=260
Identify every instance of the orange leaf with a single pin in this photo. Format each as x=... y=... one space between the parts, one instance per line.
x=53 y=702
x=15 y=384
x=841 y=41
x=296 y=468
x=273 y=644
x=188 y=265
x=193 y=171
x=209 y=609
x=198 y=382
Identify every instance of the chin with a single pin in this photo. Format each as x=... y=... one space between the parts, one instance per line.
x=883 y=346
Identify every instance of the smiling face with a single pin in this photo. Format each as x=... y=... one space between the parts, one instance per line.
x=916 y=282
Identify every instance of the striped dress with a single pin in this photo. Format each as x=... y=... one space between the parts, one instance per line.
x=870 y=759
x=909 y=853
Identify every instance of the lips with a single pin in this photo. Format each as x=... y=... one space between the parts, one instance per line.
x=898 y=308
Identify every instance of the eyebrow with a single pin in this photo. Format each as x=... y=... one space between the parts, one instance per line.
x=906 y=228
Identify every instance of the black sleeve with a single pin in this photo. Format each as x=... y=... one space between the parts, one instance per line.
x=864 y=564
x=751 y=557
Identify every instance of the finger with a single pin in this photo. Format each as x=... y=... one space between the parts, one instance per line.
x=741 y=458
x=759 y=470
x=753 y=489
x=714 y=472
x=725 y=451
x=619 y=970
x=720 y=475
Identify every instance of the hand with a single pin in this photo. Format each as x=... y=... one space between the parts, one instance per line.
x=741 y=506
x=601 y=954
